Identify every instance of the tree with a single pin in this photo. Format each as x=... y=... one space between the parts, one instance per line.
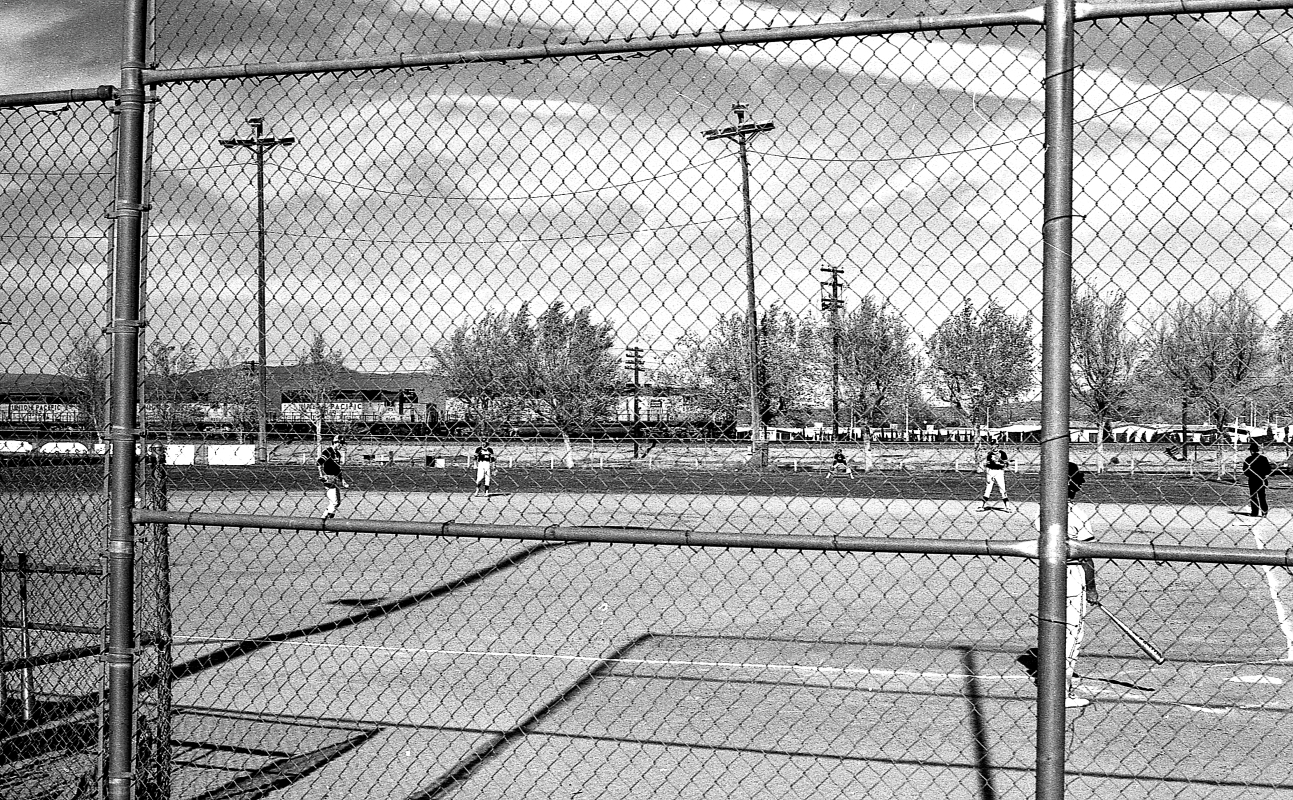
x=86 y=366
x=480 y=365
x=981 y=359
x=1282 y=352
x=321 y=367
x=568 y=370
x=1105 y=356
x=167 y=389
x=715 y=369
x=877 y=362
x=1210 y=352
x=1280 y=388
x=233 y=387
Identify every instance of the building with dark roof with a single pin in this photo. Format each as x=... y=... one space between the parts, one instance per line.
x=29 y=398
x=411 y=397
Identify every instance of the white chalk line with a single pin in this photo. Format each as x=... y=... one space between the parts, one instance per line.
x=871 y=672
x=864 y=672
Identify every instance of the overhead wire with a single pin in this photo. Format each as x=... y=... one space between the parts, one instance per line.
x=434 y=242
x=1036 y=134
x=521 y=198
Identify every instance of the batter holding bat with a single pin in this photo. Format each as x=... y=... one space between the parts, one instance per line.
x=1080 y=592
x=1080 y=595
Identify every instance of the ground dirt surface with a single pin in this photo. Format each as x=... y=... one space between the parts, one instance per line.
x=333 y=664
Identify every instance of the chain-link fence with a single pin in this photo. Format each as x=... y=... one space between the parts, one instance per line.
x=648 y=403
x=57 y=243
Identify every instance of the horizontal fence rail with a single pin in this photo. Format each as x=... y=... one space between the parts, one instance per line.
x=753 y=541
x=950 y=22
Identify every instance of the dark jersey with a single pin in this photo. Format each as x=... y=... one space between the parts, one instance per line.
x=484 y=455
x=1257 y=467
x=997 y=459
x=330 y=461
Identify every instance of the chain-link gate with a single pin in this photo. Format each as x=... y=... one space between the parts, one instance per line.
x=52 y=611
x=647 y=402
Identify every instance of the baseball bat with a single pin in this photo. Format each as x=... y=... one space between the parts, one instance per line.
x=1147 y=648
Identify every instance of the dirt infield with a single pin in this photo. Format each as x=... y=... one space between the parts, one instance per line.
x=346 y=665
x=492 y=669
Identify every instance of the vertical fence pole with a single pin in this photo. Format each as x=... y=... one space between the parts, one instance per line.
x=28 y=689
x=4 y=680
x=1057 y=275
x=162 y=581
x=128 y=211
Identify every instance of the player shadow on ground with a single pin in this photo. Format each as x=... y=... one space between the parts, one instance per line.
x=246 y=647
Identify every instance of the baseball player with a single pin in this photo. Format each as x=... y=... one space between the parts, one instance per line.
x=330 y=460
x=1079 y=595
x=484 y=456
x=1080 y=591
x=840 y=464
x=1257 y=470
x=995 y=464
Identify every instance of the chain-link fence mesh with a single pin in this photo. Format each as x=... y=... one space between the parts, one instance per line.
x=57 y=173
x=431 y=666
x=525 y=293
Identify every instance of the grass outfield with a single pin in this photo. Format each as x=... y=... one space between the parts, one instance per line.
x=345 y=665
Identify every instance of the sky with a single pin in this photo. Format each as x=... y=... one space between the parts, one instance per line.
x=413 y=202
x=58 y=44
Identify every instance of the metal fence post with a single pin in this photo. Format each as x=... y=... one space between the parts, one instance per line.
x=1057 y=269
x=161 y=755
x=28 y=688
x=4 y=678
x=128 y=211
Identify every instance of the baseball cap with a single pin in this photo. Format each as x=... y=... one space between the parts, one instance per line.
x=1077 y=476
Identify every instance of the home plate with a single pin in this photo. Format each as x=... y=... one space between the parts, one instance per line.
x=1257 y=679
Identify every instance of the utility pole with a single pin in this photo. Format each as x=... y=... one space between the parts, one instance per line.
x=743 y=132
x=831 y=304
x=258 y=143
x=633 y=359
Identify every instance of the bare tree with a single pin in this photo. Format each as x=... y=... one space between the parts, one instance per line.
x=481 y=366
x=878 y=362
x=1210 y=352
x=86 y=365
x=715 y=369
x=979 y=360
x=167 y=387
x=232 y=386
x=568 y=369
x=1105 y=356
x=1279 y=389
x=322 y=366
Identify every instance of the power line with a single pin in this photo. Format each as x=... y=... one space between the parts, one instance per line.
x=469 y=197
x=362 y=240
x=1036 y=135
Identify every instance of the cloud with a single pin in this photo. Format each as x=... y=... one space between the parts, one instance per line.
x=416 y=200
x=58 y=45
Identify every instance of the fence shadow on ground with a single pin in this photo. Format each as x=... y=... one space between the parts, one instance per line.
x=370 y=612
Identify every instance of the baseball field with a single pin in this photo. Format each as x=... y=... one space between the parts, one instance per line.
x=333 y=664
